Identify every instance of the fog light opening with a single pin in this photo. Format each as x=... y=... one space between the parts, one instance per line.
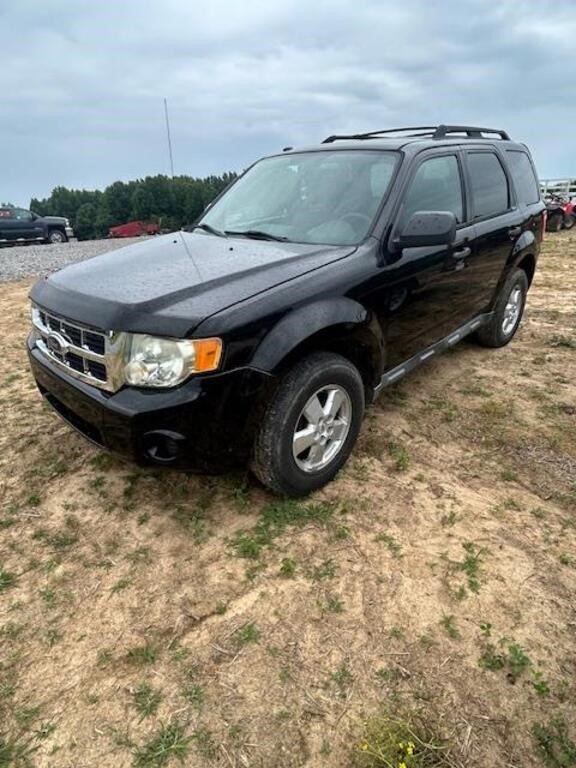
x=163 y=446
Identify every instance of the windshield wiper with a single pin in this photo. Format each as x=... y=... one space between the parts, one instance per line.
x=207 y=228
x=256 y=234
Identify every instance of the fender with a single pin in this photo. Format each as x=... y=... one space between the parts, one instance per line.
x=525 y=248
x=526 y=240
x=525 y=245
x=302 y=323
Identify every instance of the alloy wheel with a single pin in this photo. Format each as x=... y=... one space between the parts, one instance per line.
x=322 y=428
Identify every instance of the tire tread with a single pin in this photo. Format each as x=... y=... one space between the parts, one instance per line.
x=265 y=460
x=491 y=334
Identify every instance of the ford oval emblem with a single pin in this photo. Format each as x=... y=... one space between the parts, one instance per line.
x=56 y=344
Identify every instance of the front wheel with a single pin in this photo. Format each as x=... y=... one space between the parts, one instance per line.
x=310 y=426
x=507 y=313
x=569 y=221
x=56 y=236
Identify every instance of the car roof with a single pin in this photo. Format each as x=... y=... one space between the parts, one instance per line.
x=414 y=144
x=416 y=138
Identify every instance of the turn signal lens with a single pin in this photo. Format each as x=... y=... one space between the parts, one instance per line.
x=208 y=354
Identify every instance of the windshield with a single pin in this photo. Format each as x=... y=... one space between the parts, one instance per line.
x=312 y=197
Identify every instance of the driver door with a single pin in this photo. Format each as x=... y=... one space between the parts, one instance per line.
x=428 y=295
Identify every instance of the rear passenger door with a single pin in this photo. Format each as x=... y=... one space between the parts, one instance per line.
x=497 y=219
x=9 y=225
x=5 y=218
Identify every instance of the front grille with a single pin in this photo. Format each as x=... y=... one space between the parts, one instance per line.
x=77 y=335
x=85 y=353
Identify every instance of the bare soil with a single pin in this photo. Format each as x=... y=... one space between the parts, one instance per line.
x=441 y=558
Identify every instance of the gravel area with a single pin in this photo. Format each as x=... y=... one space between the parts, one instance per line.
x=19 y=261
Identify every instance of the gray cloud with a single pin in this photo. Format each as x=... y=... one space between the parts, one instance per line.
x=83 y=82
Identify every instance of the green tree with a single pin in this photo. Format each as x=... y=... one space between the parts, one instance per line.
x=172 y=202
x=85 y=221
x=142 y=204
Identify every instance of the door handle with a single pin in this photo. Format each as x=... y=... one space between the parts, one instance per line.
x=461 y=253
x=514 y=232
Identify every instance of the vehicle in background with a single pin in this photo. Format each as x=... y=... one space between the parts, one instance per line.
x=561 y=213
x=134 y=229
x=17 y=225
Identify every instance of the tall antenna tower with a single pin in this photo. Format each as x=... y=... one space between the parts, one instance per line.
x=169 y=138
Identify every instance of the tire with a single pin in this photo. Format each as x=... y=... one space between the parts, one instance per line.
x=555 y=222
x=319 y=379
x=569 y=221
x=57 y=236
x=505 y=317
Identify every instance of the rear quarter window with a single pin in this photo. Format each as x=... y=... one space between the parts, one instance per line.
x=523 y=176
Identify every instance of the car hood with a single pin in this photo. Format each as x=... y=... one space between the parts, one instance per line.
x=170 y=284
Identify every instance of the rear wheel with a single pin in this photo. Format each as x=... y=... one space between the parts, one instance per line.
x=56 y=236
x=507 y=313
x=310 y=426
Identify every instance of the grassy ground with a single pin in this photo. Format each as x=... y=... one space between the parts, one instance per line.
x=417 y=612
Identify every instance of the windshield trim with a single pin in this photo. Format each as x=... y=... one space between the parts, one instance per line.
x=329 y=149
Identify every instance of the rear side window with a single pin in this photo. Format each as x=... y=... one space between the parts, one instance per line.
x=523 y=176
x=488 y=184
x=6 y=213
x=436 y=186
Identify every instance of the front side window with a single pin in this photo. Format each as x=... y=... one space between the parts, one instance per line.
x=326 y=197
x=22 y=215
x=436 y=186
x=488 y=184
x=523 y=176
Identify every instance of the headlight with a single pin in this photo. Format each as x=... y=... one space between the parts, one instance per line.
x=157 y=362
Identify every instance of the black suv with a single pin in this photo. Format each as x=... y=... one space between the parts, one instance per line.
x=317 y=278
x=18 y=225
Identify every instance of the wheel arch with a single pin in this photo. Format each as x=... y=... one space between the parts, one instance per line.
x=524 y=254
x=339 y=325
x=528 y=263
x=55 y=227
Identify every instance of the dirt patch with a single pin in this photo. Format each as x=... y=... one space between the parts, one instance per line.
x=436 y=574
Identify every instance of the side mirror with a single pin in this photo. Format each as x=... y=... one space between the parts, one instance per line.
x=428 y=228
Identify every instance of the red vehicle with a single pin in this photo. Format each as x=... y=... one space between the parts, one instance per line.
x=561 y=213
x=134 y=229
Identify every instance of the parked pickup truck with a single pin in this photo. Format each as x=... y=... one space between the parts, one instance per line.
x=319 y=277
x=20 y=225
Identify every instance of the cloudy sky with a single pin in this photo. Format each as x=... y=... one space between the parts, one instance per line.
x=83 y=82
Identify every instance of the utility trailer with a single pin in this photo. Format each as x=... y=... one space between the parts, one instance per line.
x=134 y=229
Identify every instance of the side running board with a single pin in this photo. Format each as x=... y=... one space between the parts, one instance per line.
x=397 y=373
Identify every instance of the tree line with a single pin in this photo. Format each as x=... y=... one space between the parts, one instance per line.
x=172 y=203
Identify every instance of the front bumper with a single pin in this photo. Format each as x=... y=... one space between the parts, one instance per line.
x=69 y=233
x=207 y=423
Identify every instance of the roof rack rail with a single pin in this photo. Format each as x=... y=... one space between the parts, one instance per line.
x=471 y=132
x=375 y=134
x=425 y=131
